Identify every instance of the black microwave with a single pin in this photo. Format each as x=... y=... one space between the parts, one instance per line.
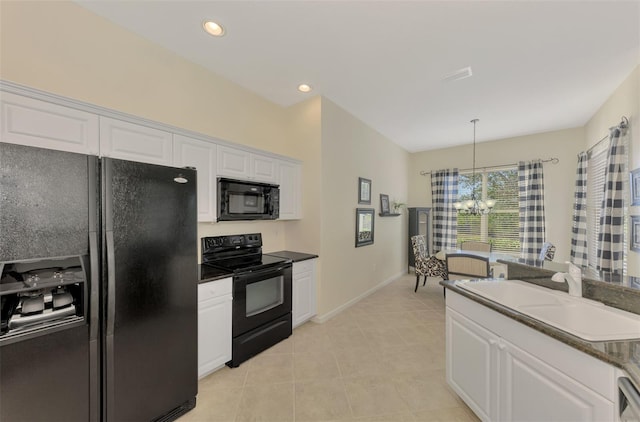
x=243 y=200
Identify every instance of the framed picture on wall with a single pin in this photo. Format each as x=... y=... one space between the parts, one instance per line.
x=635 y=187
x=364 y=226
x=635 y=233
x=384 y=204
x=364 y=191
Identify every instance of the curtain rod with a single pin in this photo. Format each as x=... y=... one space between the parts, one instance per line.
x=552 y=160
x=624 y=123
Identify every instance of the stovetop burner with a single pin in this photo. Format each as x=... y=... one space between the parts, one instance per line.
x=238 y=253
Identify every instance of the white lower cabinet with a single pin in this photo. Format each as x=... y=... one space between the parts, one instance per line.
x=214 y=325
x=506 y=371
x=303 y=306
x=531 y=390
x=472 y=363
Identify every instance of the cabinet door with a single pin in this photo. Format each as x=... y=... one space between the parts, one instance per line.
x=289 y=175
x=472 y=364
x=201 y=155
x=128 y=141
x=531 y=390
x=304 y=291
x=36 y=123
x=214 y=330
x=234 y=163
x=263 y=168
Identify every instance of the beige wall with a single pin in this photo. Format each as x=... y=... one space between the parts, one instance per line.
x=624 y=101
x=559 y=178
x=350 y=149
x=61 y=48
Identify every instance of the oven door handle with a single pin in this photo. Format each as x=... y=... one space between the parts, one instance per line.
x=267 y=270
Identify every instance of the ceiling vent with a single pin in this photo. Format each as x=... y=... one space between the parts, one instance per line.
x=458 y=74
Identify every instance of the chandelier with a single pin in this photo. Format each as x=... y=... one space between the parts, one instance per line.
x=474 y=206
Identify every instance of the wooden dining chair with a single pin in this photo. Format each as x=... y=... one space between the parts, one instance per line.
x=467 y=266
x=473 y=245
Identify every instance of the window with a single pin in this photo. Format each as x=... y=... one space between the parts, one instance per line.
x=501 y=226
x=595 y=193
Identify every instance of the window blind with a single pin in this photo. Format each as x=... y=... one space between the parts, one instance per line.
x=501 y=226
x=595 y=193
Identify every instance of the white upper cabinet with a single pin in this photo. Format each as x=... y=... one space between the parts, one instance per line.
x=129 y=141
x=201 y=155
x=233 y=162
x=244 y=165
x=86 y=129
x=36 y=123
x=263 y=168
x=289 y=179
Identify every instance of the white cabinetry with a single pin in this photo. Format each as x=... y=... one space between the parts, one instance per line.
x=472 y=362
x=65 y=125
x=303 y=307
x=201 y=155
x=506 y=371
x=214 y=325
x=535 y=391
x=289 y=179
x=239 y=164
x=129 y=141
x=263 y=168
x=36 y=123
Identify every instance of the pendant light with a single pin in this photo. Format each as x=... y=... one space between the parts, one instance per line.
x=474 y=206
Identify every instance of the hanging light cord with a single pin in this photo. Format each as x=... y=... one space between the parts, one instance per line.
x=474 y=121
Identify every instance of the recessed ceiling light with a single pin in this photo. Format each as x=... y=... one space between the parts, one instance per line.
x=304 y=88
x=213 y=28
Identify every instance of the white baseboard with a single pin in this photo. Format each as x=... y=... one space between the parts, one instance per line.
x=327 y=316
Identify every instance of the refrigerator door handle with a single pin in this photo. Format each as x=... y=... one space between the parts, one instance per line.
x=94 y=286
x=109 y=382
x=111 y=284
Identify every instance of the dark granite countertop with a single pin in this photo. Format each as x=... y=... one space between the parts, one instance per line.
x=624 y=354
x=207 y=273
x=294 y=256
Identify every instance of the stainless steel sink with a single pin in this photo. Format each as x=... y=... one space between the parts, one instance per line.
x=584 y=318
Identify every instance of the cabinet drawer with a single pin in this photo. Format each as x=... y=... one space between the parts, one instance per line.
x=214 y=289
x=304 y=266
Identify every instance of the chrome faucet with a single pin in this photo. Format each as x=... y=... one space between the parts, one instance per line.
x=573 y=279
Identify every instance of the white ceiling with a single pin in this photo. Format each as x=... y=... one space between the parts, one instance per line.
x=537 y=66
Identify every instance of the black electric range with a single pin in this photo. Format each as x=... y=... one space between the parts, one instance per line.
x=238 y=253
x=262 y=292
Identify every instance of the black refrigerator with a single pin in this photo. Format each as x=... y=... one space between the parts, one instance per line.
x=98 y=288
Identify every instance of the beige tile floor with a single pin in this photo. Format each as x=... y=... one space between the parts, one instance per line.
x=383 y=359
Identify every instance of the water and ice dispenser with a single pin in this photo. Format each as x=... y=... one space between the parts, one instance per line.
x=39 y=295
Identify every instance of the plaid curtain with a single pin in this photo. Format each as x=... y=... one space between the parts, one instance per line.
x=531 y=205
x=611 y=235
x=444 y=192
x=579 y=229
